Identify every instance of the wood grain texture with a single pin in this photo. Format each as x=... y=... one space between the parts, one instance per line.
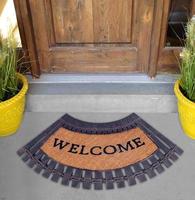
x=145 y=12
x=193 y=8
x=164 y=23
x=99 y=59
x=89 y=21
x=112 y=20
x=27 y=38
x=73 y=21
x=37 y=9
x=96 y=35
x=168 y=60
x=135 y=22
x=50 y=22
x=155 y=40
x=65 y=35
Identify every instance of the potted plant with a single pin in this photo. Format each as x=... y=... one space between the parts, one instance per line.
x=13 y=87
x=185 y=87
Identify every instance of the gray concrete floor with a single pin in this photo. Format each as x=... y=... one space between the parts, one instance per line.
x=18 y=182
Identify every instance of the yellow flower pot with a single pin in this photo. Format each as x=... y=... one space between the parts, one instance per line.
x=186 y=110
x=11 y=110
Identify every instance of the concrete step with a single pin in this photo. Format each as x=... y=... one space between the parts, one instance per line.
x=102 y=93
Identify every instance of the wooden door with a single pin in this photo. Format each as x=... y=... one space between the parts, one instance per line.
x=86 y=35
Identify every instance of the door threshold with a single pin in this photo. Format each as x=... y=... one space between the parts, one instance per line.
x=104 y=78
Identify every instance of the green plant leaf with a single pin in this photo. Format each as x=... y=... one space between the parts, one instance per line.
x=9 y=83
x=187 y=64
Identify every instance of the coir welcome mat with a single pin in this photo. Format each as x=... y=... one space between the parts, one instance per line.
x=100 y=154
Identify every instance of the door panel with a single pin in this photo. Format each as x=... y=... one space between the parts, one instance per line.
x=73 y=21
x=112 y=21
x=86 y=59
x=92 y=21
x=90 y=35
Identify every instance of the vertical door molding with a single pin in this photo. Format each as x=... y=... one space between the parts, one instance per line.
x=193 y=8
x=156 y=40
x=27 y=37
x=146 y=14
x=37 y=9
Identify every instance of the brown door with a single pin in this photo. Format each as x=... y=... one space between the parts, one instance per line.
x=87 y=35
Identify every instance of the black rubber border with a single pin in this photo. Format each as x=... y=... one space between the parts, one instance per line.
x=164 y=157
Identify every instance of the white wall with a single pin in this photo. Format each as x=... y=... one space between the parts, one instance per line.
x=8 y=19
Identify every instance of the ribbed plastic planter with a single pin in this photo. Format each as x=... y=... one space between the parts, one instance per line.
x=186 y=110
x=11 y=110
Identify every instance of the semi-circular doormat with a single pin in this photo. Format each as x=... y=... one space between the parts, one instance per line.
x=100 y=154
